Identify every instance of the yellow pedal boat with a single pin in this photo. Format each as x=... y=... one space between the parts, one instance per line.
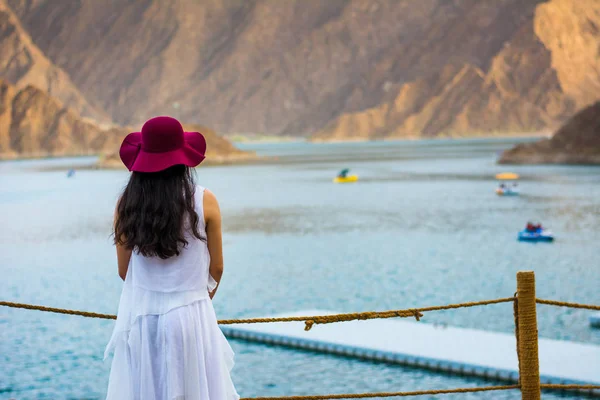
x=347 y=179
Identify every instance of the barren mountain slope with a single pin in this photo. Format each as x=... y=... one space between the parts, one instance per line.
x=547 y=70
x=266 y=66
x=571 y=31
x=34 y=124
x=22 y=63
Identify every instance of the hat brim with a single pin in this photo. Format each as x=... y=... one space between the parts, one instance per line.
x=192 y=153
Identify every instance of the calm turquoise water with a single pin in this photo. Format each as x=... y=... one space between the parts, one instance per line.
x=422 y=227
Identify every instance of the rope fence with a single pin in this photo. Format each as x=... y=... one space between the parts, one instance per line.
x=565 y=304
x=57 y=310
x=417 y=313
x=524 y=310
x=309 y=321
x=388 y=394
x=569 y=387
x=421 y=392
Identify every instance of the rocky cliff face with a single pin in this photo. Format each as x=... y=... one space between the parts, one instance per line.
x=570 y=30
x=22 y=63
x=342 y=68
x=34 y=124
x=577 y=142
x=545 y=71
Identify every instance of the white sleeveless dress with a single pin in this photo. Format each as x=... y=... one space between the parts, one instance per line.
x=166 y=341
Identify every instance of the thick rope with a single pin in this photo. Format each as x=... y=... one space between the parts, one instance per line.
x=309 y=321
x=387 y=394
x=569 y=387
x=57 y=310
x=516 y=315
x=565 y=304
x=328 y=319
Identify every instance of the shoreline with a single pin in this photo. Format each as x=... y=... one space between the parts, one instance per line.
x=118 y=166
x=252 y=159
x=519 y=135
x=267 y=141
x=214 y=161
x=46 y=156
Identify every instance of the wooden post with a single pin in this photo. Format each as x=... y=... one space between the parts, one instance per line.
x=529 y=366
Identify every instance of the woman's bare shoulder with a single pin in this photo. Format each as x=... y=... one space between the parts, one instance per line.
x=211 y=206
x=209 y=196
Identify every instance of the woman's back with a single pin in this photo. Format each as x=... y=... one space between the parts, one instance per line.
x=187 y=271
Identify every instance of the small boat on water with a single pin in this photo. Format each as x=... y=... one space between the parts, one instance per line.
x=535 y=233
x=507 y=191
x=344 y=177
x=542 y=236
x=508 y=186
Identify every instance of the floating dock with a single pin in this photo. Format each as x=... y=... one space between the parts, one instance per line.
x=595 y=320
x=441 y=348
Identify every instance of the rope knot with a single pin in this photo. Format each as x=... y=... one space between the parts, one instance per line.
x=416 y=314
x=308 y=324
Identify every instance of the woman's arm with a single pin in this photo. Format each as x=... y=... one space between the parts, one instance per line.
x=123 y=257
x=212 y=219
x=123 y=254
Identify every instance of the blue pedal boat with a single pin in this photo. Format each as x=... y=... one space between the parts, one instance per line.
x=540 y=235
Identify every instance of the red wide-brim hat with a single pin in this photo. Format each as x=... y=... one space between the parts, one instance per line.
x=162 y=143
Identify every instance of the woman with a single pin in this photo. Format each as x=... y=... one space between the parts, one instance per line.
x=166 y=342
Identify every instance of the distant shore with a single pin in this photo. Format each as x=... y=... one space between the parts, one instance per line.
x=215 y=160
x=116 y=164
x=246 y=159
x=248 y=138
x=45 y=155
x=519 y=135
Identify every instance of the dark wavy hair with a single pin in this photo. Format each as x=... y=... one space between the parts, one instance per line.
x=152 y=211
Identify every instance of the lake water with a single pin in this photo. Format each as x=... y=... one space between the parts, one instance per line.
x=422 y=227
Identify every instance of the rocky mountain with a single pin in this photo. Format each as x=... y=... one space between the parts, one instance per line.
x=35 y=124
x=577 y=142
x=546 y=70
x=22 y=63
x=341 y=68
